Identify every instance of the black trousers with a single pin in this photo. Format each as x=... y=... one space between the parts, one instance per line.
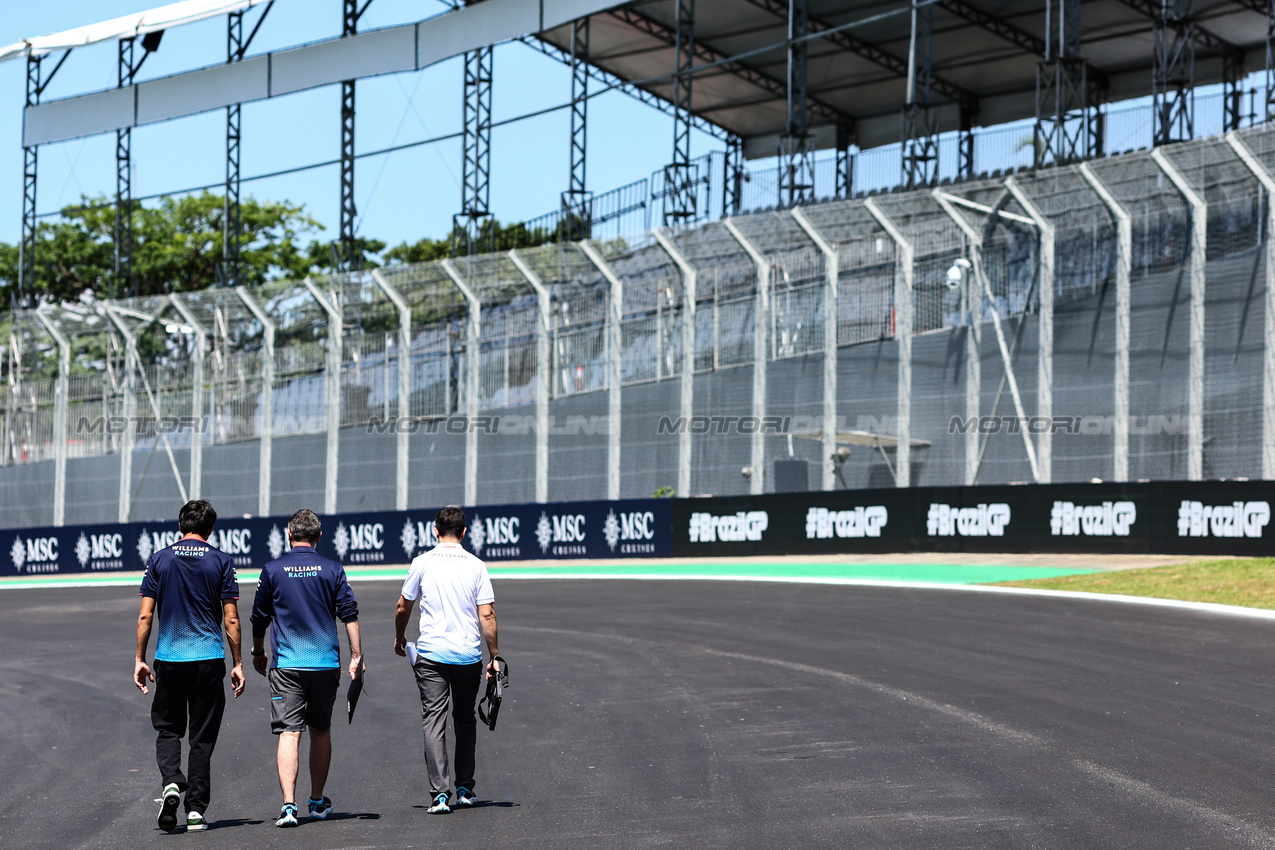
x=441 y=684
x=189 y=695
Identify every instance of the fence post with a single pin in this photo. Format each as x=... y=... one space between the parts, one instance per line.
x=196 y=396
x=1195 y=361
x=332 y=393
x=903 y=333
x=761 y=324
x=615 y=309
x=60 y=403
x=830 y=264
x=473 y=364
x=1045 y=347
x=689 y=279
x=404 y=387
x=266 y=446
x=542 y=375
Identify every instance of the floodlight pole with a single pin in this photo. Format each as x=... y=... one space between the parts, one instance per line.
x=1195 y=358
x=1045 y=323
x=761 y=324
x=473 y=366
x=543 y=372
x=266 y=447
x=404 y=387
x=903 y=278
x=1124 y=262
x=830 y=265
x=615 y=354
x=332 y=392
x=196 y=396
x=1268 y=347
x=689 y=280
x=60 y=404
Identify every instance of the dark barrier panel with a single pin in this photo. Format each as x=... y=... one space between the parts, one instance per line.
x=1205 y=518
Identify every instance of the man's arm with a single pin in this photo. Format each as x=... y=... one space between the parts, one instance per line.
x=356 y=647
x=262 y=614
x=141 y=672
x=402 y=614
x=487 y=620
x=230 y=619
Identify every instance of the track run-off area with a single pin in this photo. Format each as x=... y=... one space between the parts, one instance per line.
x=865 y=703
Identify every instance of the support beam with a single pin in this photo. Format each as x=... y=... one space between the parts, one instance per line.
x=679 y=176
x=920 y=123
x=475 y=190
x=30 y=170
x=266 y=446
x=1068 y=124
x=831 y=267
x=615 y=355
x=687 y=400
x=544 y=334
x=796 y=158
x=761 y=354
x=196 y=395
x=331 y=392
x=231 y=221
x=60 y=403
x=577 y=201
x=845 y=163
x=122 y=282
x=1045 y=336
x=349 y=256
x=1173 y=74
x=734 y=176
x=1195 y=358
x=1267 y=180
x=404 y=387
x=905 y=269
x=473 y=369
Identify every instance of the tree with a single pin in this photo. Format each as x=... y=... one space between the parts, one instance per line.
x=492 y=236
x=177 y=247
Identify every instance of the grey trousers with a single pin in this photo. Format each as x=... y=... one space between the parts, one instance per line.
x=440 y=684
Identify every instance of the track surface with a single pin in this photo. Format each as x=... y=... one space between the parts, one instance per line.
x=700 y=714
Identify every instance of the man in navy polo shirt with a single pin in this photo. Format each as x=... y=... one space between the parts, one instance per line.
x=194 y=587
x=301 y=595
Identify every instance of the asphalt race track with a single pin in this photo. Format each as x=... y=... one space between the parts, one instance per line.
x=700 y=714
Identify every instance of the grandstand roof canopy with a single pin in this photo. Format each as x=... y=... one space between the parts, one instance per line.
x=983 y=49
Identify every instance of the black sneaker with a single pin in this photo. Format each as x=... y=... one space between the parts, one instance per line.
x=464 y=797
x=320 y=809
x=287 y=815
x=168 y=803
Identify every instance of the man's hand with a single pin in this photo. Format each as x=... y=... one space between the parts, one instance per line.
x=400 y=645
x=356 y=661
x=236 y=679
x=261 y=662
x=141 y=675
x=492 y=670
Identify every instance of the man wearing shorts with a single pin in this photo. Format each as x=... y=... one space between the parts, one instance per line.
x=301 y=595
x=189 y=593
x=455 y=599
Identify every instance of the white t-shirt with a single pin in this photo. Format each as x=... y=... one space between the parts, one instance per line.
x=450 y=584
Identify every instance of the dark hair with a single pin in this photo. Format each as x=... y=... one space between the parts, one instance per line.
x=197 y=517
x=450 y=522
x=305 y=526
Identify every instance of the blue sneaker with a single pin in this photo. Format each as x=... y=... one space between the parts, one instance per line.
x=440 y=806
x=464 y=797
x=287 y=815
x=320 y=809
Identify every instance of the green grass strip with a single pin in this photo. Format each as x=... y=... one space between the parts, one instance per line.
x=1249 y=582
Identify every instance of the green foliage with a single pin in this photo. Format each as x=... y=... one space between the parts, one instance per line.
x=493 y=236
x=664 y=493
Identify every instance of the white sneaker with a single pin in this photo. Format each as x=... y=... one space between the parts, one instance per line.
x=287 y=815
x=169 y=800
x=440 y=806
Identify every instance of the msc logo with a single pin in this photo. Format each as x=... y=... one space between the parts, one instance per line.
x=422 y=535
x=38 y=554
x=364 y=542
x=565 y=529
x=636 y=526
x=233 y=541
x=148 y=544
x=100 y=551
x=498 y=535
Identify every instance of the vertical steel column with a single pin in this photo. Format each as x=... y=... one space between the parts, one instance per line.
x=331 y=391
x=473 y=368
x=1045 y=346
x=543 y=373
x=965 y=144
x=1232 y=89
x=830 y=265
x=350 y=257
x=231 y=222
x=60 y=403
x=1124 y=262
x=1068 y=126
x=266 y=451
x=678 y=177
x=577 y=201
x=905 y=269
x=1195 y=360
x=689 y=280
x=1268 y=348
x=920 y=121
x=404 y=387
x=733 y=176
x=845 y=162
x=475 y=200
x=615 y=355
x=796 y=159
x=30 y=169
x=1173 y=76
x=122 y=283
x=761 y=324
x=196 y=396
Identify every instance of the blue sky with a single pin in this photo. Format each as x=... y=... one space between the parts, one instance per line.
x=401 y=196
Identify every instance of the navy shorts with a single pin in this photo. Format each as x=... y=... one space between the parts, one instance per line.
x=301 y=698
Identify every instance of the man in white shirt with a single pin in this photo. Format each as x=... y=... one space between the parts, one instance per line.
x=455 y=596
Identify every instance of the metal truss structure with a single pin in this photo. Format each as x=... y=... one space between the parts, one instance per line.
x=1173 y=78
x=920 y=120
x=349 y=255
x=577 y=201
x=679 y=175
x=1068 y=124
x=231 y=272
x=30 y=171
x=475 y=198
x=796 y=159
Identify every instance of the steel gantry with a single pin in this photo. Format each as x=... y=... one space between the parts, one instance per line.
x=350 y=257
x=1173 y=76
x=733 y=176
x=577 y=201
x=1068 y=124
x=30 y=169
x=475 y=189
x=679 y=174
x=232 y=221
x=796 y=158
x=920 y=121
